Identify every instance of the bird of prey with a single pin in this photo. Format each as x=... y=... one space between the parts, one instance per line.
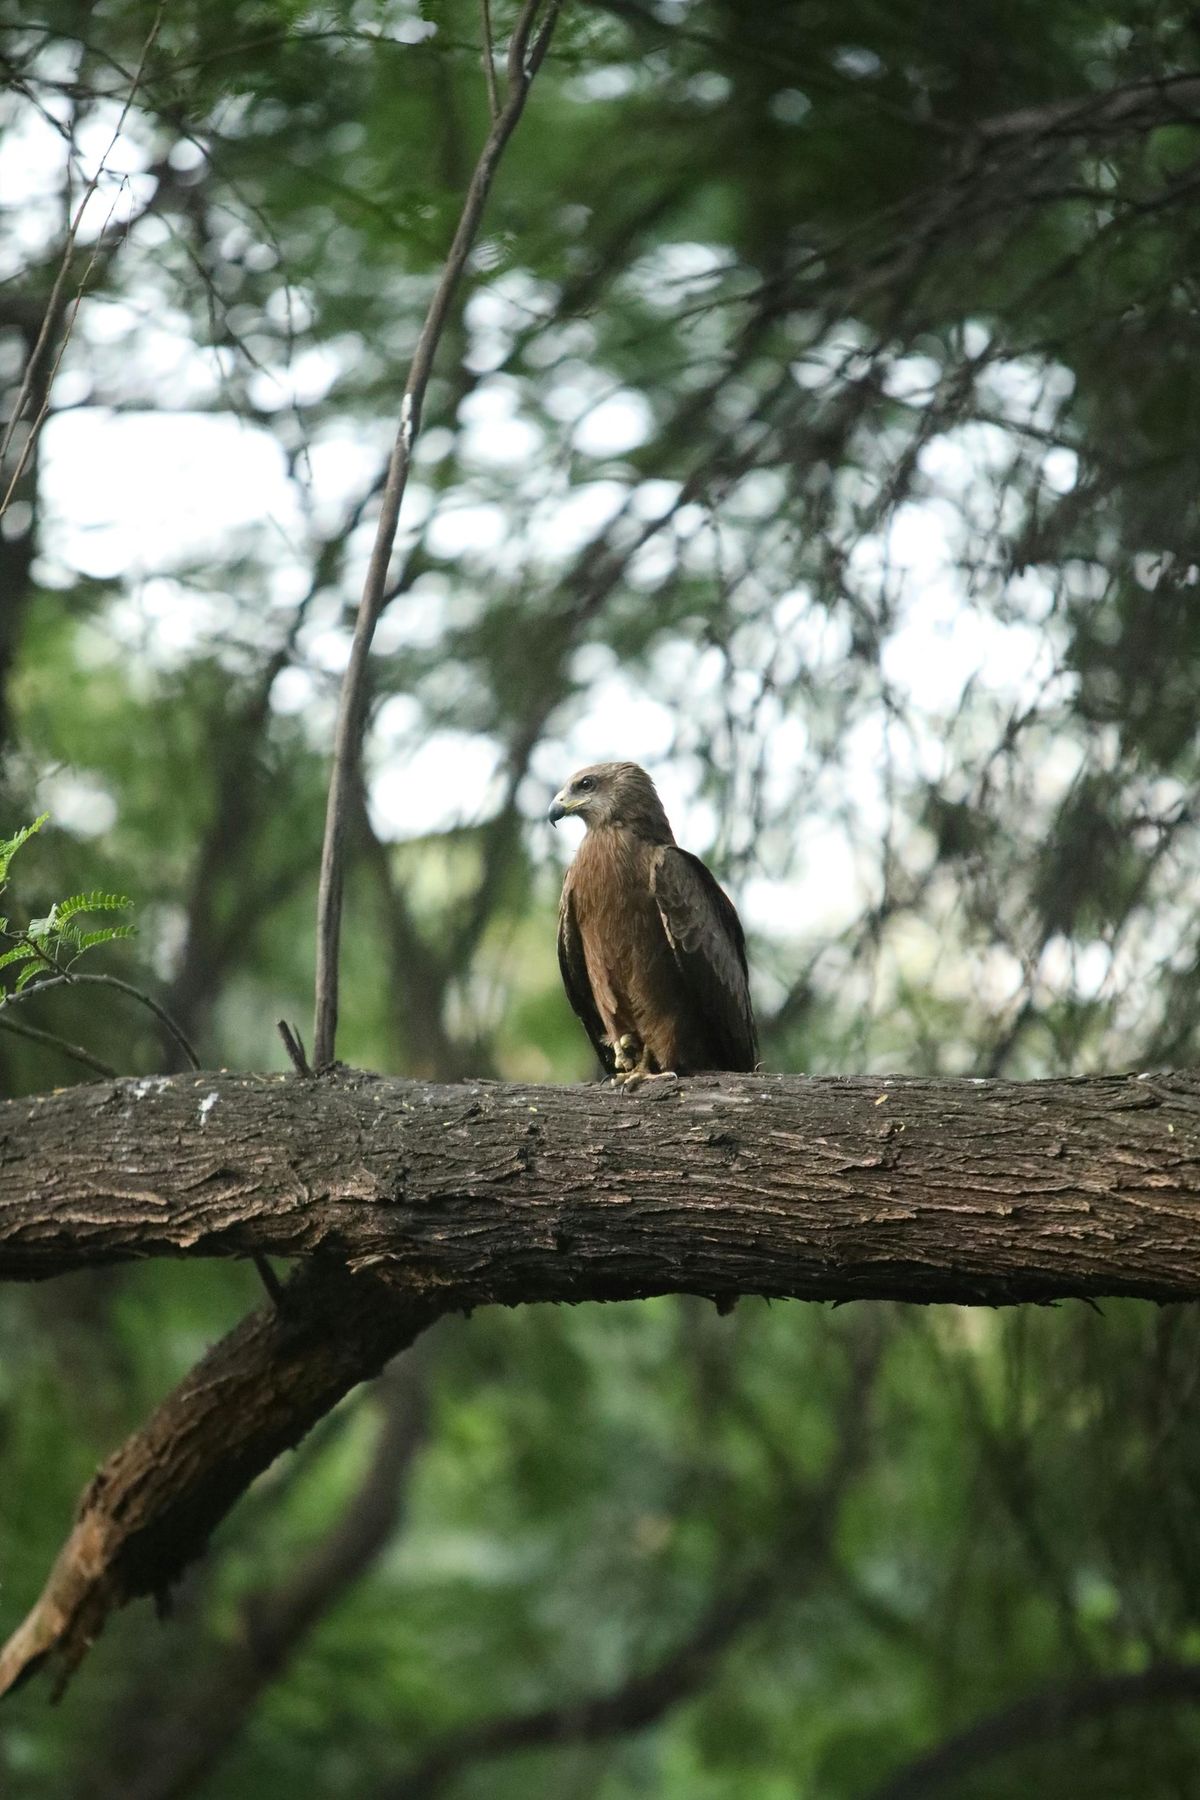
x=651 y=950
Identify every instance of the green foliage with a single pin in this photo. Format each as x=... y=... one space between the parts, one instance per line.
x=885 y=561
x=52 y=945
x=10 y=846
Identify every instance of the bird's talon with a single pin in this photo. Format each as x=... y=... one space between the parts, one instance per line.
x=640 y=1076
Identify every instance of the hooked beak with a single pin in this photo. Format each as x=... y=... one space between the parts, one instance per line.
x=557 y=810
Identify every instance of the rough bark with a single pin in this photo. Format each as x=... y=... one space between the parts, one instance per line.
x=152 y=1506
x=409 y=1200
x=836 y=1189
x=170 y=1749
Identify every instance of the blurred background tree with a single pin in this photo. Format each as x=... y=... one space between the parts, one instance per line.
x=820 y=426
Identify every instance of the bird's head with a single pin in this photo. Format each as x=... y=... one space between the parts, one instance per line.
x=611 y=795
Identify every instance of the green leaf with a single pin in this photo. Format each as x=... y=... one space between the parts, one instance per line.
x=19 y=953
x=10 y=846
x=104 y=934
x=95 y=902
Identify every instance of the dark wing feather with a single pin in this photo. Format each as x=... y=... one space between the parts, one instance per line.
x=709 y=947
x=575 y=978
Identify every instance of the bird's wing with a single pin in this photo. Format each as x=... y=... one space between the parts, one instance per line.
x=709 y=947
x=575 y=977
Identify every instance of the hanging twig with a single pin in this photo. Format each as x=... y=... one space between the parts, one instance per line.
x=124 y=987
x=76 y=1051
x=524 y=60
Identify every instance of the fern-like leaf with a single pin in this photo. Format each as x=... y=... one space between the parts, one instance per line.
x=103 y=934
x=19 y=953
x=95 y=902
x=10 y=846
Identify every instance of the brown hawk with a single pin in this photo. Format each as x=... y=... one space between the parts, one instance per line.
x=651 y=949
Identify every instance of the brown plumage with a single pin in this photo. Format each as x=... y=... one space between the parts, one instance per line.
x=651 y=949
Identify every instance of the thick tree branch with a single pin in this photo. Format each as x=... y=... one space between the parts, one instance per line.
x=442 y=1198
x=820 y=1188
x=152 y=1506
x=182 y=1743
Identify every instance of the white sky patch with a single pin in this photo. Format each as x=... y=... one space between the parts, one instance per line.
x=129 y=495
x=823 y=895
x=651 y=499
x=461 y=530
x=567 y=521
x=416 y=619
x=77 y=803
x=615 y=426
x=577 y=386
x=653 y=564
x=31 y=162
x=622 y=722
x=1060 y=470
x=446 y=781
x=502 y=443
x=500 y=312
x=310 y=374
x=344 y=460
x=675 y=273
x=328 y=650
x=165 y=621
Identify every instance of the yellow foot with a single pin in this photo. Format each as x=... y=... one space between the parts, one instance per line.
x=638 y=1077
x=627 y=1053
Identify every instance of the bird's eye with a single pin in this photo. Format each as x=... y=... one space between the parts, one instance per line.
x=586 y=783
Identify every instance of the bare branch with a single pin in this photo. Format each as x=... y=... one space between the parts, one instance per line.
x=1039 y=1719
x=68 y=977
x=293 y=1043
x=75 y=1051
x=522 y=65
x=1170 y=99
x=54 y=304
x=489 y=61
x=644 y=1698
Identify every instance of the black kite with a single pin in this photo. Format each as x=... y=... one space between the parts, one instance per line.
x=651 y=950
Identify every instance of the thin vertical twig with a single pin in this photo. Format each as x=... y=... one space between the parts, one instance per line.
x=524 y=60
x=489 y=61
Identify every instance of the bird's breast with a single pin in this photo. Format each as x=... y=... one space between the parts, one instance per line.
x=625 y=948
